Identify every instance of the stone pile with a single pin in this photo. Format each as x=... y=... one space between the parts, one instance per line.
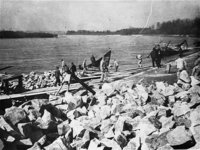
x=34 y=81
x=121 y=116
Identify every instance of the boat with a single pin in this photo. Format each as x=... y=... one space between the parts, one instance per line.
x=96 y=63
x=170 y=50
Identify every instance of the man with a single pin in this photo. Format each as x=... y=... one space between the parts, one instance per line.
x=139 y=58
x=73 y=68
x=66 y=68
x=154 y=56
x=195 y=76
x=180 y=50
x=62 y=65
x=184 y=80
x=66 y=79
x=57 y=76
x=197 y=61
x=159 y=56
x=116 y=65
x=93 y=60
x=84 y=65
x=104 y=70
x=180 y=64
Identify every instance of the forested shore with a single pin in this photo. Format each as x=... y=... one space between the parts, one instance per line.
x=22 y=34
x=175 y=27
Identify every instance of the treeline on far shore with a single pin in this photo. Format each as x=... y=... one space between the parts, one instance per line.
x=174 y=27
x=22 y=34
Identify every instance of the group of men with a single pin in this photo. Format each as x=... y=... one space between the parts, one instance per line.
x=183 y=77
x=64 y=74
x=156 y=56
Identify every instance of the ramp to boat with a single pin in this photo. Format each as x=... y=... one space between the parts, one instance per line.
x=39 y=92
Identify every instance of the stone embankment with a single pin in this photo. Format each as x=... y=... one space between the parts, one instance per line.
x=122 y=115
x=119 y=117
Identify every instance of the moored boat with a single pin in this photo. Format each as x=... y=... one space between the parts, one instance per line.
x=96 y=63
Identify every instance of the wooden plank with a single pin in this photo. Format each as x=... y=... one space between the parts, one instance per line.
x=38 y=92
x=138 y=69
x=89 y=78
x=82 y=83
x=5 y=68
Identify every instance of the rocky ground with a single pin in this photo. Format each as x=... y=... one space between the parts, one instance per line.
x=130 y=114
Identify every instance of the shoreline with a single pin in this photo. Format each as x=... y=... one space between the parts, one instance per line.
x=23 y=34
x=132 y=110
x=144 y=69
x=146 y=73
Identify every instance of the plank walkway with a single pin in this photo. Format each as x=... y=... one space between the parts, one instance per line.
x=39 y=92
x=96 y=80
x=112 y=76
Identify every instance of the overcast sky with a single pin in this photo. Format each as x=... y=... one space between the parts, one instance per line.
x=62 y=15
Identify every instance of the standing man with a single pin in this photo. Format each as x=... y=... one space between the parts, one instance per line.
x=84 y=65
x=154 y=56
x=93 y=60
x=62 y=65
x=103 y=69
x=195 y=76
x=180 y=64
x=66 y=79
x=57 y=76
x=73 y=68
x=159 y=56
x=116 y=65
x=139 y=58
x=66 y=69
x=180 y=50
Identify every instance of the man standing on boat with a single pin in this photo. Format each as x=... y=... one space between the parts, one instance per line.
x=93 y=60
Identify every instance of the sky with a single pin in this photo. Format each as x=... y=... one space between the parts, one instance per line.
x=64 y=15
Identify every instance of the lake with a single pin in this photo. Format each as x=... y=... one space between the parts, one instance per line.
x=40 y=54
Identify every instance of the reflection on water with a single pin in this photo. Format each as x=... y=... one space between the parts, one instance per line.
x=44 y=54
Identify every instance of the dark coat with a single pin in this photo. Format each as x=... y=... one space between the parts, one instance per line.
x=154 y=54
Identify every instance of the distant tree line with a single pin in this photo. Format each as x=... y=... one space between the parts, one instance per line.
x=87 y=32
x=178 y=27
x=21 y=34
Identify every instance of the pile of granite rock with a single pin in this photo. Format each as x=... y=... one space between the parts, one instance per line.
x=121 y=116
x=34 y=81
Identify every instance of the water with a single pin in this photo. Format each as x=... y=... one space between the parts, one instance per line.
x=40 y=54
